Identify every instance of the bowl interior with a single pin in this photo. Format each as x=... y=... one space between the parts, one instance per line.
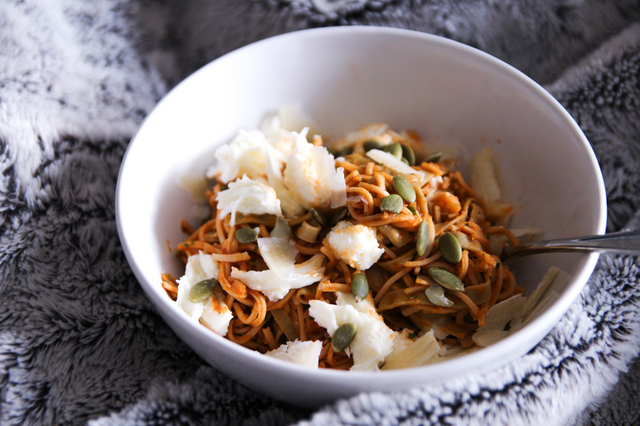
x=345 y=78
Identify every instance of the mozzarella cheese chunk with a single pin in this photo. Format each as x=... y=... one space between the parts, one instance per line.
x=356 y=245
x=302 y=353
x=311 y=175
x=279 y=254
x=201 y=267
x=248 y=196
x=373 y=340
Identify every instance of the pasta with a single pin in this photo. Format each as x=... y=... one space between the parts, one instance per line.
x=287 y=275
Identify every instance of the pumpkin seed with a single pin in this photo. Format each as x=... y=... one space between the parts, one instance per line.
x=202 y=290
x=347 y=150
x=405 y=161
x=450 y=248
x=335 y=152
x=434 y=157
x=370 y=144
x=394 y=149
x=407 y=153
x=435 y=294
x=281 y=229
x=404 y=188
x=360 y=286
x=319 y=217
x=343 y=336
x=391 y=203
x=446 y=279
x=246 y=235
x=422 y=237
x=412 y=210
x=339 y=215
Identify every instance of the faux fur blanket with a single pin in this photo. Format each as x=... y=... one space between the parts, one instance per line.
x=80 y=342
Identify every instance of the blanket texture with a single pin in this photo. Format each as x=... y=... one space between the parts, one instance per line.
x=79 y=341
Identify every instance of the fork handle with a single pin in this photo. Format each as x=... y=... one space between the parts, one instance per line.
x=615 y=242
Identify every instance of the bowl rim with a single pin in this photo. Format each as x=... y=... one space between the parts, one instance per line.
x=486 y=356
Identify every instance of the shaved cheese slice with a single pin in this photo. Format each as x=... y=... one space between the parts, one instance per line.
x=372 y=131
x=289 y=203
x=485 y=182
x=497 y=319
x=373 y=340
x=199 y=267
x=540 y=297
x=413 y=355
x=302 y=353
x=312 y=177
x=242 y=156
x=217 y=321
x=392 y=162
x=279 y=254
x=246 y=195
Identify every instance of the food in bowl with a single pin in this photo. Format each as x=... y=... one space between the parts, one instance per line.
x=369 y=254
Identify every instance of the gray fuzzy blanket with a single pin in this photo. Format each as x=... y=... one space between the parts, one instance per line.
x=80 y=342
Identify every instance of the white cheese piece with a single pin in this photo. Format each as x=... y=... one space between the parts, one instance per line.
x=217 y=321
x=416 y=353
x=356 y=245
x=289 y=202
x=373 y=340
x=279 y=254
x=303 y=353
x=485 y=182
x=392 y=162
x=483 y=176
x=244 y=155
x=312 y=176
x=496 y=320
x=375 y=131
x=248 y=196
x=201 y=267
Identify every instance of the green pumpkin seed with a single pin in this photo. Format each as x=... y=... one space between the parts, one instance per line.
x=391 y=203
x=422 y=237
x=339 y=215
x=405 y=161
x=434 y=157
x=343 y=337
x=404 y=188
x=407 y=153
x=360 y=286
x=435 y=294
x=202 y=290
x=347 y=150
x=412 y=210
x=394 y=149
x=450 y=248
x=446 y=279
x=246 y=235
x=335 y=152
x=319 y=217
x=281 y=229
x=371 y=144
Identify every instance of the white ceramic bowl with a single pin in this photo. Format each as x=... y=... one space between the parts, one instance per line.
x=346 y=78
